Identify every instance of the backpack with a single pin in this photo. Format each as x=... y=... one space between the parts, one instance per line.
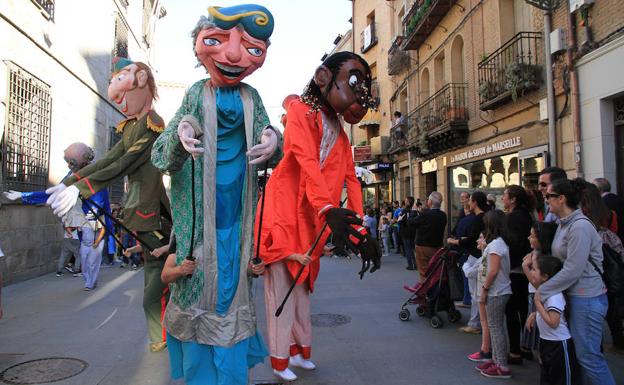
x=613 y=271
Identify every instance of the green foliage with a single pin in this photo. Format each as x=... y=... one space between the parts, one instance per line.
x=521 y=77
x=413 y=23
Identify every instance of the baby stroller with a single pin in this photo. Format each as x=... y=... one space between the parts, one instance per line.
x=434 y=294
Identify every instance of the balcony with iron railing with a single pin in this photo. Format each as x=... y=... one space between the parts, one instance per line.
x=368 y=38
x=440 y=122
x=398 y=60
x=422 y=19
x=510 y=71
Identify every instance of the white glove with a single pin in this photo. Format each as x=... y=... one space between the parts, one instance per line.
x=187 y=137
x=266 y=148
x=13 y=195
x=53 y=192
x=65 y=201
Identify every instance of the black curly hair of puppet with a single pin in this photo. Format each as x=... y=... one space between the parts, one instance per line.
x=316 y=99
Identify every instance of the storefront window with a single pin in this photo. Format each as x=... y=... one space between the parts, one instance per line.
x=492 y=176
x=369 y=196
x=489 y=175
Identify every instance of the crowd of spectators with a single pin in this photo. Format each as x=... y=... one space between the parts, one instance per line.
x=533 y=272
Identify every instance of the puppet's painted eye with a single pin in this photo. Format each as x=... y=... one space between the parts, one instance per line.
x=255 y=51
x=120 y=77
x=353 y=80
x=211 y=42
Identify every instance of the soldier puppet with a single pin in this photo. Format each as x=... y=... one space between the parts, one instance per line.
x=211 y=320
x=133 y=89
x=303 y=193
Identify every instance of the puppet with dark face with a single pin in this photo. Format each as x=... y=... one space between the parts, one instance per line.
x=303 y=193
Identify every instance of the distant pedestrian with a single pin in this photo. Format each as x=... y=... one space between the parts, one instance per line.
x=384 y=231
x=430 y=226
x=546 y=177
x=614 y=202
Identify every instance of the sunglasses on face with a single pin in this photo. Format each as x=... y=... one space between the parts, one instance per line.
x=552 y=195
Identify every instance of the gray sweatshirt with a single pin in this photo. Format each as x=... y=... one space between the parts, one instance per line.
x=576 y=239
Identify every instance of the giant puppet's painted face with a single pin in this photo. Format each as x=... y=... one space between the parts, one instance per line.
x=130 y=91
x=236 y=45
x=348 y=94
x=78 y=155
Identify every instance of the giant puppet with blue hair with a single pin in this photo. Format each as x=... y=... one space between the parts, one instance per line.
x=212 y=149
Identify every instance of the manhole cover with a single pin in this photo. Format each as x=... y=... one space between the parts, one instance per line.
x=43 y=370
x=330 y=320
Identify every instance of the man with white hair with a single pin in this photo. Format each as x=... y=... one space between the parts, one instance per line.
x=430 y=227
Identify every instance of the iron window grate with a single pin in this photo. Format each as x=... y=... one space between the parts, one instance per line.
x=619 y=110
x=120 y=47
x=25 y=145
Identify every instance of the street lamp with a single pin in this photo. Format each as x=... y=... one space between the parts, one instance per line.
x=548 y=6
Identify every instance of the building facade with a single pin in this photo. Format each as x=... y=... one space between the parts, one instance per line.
x=469 y=78
x=55 y=64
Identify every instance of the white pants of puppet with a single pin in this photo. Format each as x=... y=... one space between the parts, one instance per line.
x=290 y=333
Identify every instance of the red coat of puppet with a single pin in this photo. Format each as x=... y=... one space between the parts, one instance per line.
x=300 y=190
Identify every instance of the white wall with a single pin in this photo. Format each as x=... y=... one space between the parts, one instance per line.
x=600 y=80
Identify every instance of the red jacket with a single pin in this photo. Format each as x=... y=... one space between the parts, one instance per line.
x=299 y=191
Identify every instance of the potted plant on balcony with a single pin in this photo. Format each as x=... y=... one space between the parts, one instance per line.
x=521 y=77
x=454 y=113
x=488 y=90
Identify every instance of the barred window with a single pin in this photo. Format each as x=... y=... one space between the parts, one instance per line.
x=116 y=190
x=148 y=12
x=619 y=110
x=121 y=38
x=46 y=7
x=25 y=144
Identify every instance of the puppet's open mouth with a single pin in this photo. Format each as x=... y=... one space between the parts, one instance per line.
x=228 y=71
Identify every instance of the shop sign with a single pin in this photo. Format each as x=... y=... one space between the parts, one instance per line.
x=384 y=166
x=487 y=150
x=362 y=153
x=428 y=166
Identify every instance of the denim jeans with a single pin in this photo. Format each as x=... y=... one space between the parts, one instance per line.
x=467 y=300
x=586 y=319
x=409 y=248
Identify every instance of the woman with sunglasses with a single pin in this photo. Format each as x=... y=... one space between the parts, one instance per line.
x=578 y=244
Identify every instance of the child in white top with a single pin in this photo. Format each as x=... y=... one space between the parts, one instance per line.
x=557 y=356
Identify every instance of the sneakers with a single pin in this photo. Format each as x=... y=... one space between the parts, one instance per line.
x=300 y=362
x=495 y=371
x=59 y=273
x=69 y=268
x=134 y=267
x=123 y=265
x=470 y=330
x=514 y=360
x=88 y=288
x=484 y=365
x=286 y=374
x=480 y=356
x=79 y=274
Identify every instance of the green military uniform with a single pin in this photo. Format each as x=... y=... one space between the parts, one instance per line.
x=146 y=205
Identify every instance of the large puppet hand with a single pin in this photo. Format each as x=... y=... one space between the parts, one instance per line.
x=370 y=252
x=266 y=148
x=54 y=192
x=187 y=137
x=13 y=195
x=339 y=221
x=64 y=201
